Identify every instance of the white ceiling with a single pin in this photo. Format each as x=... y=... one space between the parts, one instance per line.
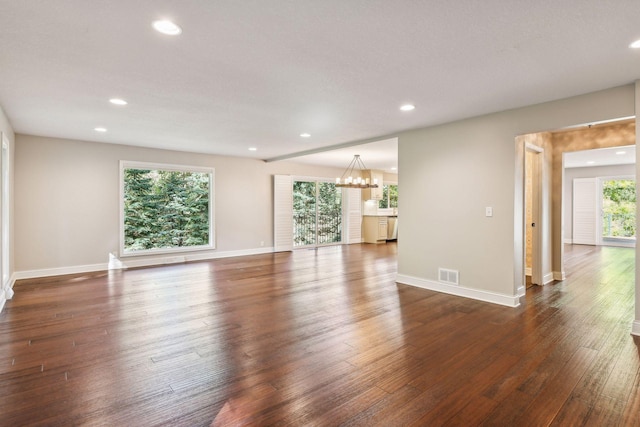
x=601 y=157
x=257 y=73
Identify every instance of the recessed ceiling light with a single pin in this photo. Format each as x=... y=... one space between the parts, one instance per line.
x=635 y=45
x=118 y=101
x=394 y=169
x=165 y=26
x=621 y=152
x=100 y=129
x=253 y=149
x=408 y=107
x=305 y=135
x=590 y=162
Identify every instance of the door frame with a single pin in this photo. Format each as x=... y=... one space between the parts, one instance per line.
x=536 y=209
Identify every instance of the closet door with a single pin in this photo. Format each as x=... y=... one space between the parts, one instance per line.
x=585 y=196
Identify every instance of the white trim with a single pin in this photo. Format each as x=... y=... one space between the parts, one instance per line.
x=568 y=241
x=461 y=291
x=547 y=278
x=522 y=291
x=7 y=292
x=59 y=271
x=559 y=275
x=635 y=328
x=118 y=264
x=200 y=256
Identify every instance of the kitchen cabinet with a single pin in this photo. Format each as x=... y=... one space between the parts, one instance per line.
x=375 y=229
x=373 y=193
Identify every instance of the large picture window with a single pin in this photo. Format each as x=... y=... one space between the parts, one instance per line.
x=165 y=208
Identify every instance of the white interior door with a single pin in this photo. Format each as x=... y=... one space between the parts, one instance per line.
x=585 y=211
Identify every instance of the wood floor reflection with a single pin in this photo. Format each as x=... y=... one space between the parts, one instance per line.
x=314 y=338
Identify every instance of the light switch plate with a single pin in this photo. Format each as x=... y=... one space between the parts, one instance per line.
x=488 y=211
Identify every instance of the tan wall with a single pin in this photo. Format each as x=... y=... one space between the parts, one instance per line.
x=67 y=202
x=450 y=173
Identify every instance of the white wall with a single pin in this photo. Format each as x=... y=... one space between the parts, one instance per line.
x=586 y=172
x=450 y=173
x=68 y=201
x=7 y=130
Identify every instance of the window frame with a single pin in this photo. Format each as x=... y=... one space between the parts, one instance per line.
x=128 y=164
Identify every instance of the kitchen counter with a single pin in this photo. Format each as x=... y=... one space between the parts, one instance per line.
x=379 y=228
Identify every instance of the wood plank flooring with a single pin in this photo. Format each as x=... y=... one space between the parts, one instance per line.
x=318 y=338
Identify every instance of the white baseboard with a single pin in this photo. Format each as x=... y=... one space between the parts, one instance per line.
x=130 y=262
x=461 y=291
x=6 y=293
x=635 y=328
x=522 y=291
x=59 y=271
x=547 y=278
x=559 y=275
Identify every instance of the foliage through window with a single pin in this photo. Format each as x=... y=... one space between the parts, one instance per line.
x=166 y=207
x=619 y=208
x=389 y=196
x=317 y=213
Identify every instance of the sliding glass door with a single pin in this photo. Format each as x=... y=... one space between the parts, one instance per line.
x=317 y=213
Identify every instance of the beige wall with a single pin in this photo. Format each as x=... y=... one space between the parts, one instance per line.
x=68 y=199
x=450 y=173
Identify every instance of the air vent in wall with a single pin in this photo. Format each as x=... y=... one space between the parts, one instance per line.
x=448 y=276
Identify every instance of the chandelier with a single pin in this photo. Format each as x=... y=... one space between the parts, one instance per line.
x=348 y=181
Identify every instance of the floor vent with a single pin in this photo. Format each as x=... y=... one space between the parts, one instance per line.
x=448 y=276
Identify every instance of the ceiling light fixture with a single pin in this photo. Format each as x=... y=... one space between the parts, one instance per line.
x=591 y=162
x=348 y=181
x=167 y=27
x=621 y=152
x=635 y=45
x=118 y=101
x=408 y=107
x=305 y=135
x=394 y=169
x=253 y=149
x=100 y=129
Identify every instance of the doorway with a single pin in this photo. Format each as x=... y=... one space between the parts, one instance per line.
x=533 y=207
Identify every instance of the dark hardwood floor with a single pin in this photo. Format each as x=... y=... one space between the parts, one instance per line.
x=318 y=337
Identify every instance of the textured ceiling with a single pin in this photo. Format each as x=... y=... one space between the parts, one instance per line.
x=257 y=73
